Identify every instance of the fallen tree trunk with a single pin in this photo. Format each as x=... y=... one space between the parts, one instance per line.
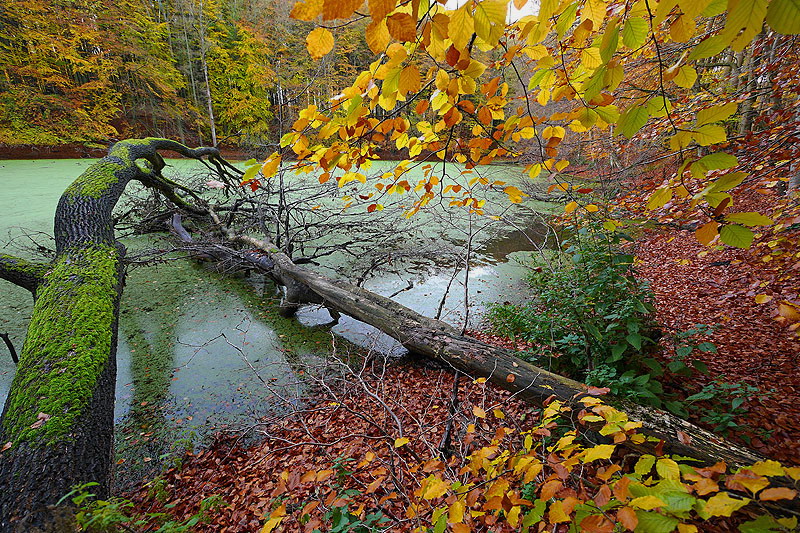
x=438 y=340
x=57 y=425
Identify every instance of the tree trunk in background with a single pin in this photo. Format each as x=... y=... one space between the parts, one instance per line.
x=57 y=425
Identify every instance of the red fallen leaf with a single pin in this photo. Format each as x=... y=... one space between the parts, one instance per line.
x=510 y=378
x=684 y=438
x=598 y=391
x=585 y=190
x=6 y=446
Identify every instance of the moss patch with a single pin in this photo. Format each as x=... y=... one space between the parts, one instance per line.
x=97 y=179
x=67 y=347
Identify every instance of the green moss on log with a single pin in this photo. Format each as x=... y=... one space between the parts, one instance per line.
x=67 y=348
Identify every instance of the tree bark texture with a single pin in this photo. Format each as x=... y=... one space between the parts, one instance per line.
x=57 y=425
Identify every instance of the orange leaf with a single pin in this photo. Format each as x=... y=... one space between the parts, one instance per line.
x=339 y=9
x=319 y=42
x=380 y=8
x=401 y=27
x=550 y=488
x=706 y=233
x=477 y=411
x=789 y=311
x=777 y=493
x=597 y=523
x=377 y=36
x=627 y=517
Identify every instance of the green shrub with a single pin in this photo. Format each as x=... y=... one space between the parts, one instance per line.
x=589 y=317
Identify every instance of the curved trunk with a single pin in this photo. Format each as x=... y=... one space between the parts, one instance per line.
x=57 y=425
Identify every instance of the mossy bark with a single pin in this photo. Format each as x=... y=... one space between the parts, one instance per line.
x=57 y=425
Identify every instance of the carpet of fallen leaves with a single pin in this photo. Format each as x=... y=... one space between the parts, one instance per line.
x=751 y=296
x=346 y=440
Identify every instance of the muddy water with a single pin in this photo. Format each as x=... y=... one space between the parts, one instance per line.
x=199 y=352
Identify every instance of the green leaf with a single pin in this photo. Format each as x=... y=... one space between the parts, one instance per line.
x=659 y=106
x=762 y=524
x=634 y=32
x=595 y=84
x=251 y=172
x=635 y=340
x=783 y=16
x=566 y=19
x=609 y=43
x=609 y=113
x=538 y=77
x=716 y=113
x=716 y=7
x=749 y=218
x=737 y=236
x=653 y=522
x=710 y=47
x=632 y=120
x=700 y=366
x=709 y=134
x=728 y=182
x=659 y=198
x=717 y=161
x=644 y=464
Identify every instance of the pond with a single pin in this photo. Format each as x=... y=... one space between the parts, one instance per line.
x=199 y=351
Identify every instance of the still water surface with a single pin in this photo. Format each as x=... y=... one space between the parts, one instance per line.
x=198 y=351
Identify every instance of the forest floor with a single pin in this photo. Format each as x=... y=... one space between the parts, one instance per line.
x=750 y=296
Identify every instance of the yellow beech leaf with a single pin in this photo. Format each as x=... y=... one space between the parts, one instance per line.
x=685 y=77
x=557 y=513
x=687 y=528
x=570 y=207
x=601 y=451
x=377 y=36
x=647 y=502
x=723 y=505
x=402 y=441
x=433 y=487
x=461 y=26
x=659 y=198
x=668 y=469
x=455 y=515
x=716 y=113
x=409 y=80
x=319 y=42
x=306 y=10
x=592 y=208
x=789 y=311
x=763 y=298
x=380 y=8
x=478 y=412
x=784 y=16
x=768 y=467
x=274 y=519
x=271 y=165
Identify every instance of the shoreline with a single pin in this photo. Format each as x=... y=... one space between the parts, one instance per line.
x=80 y=151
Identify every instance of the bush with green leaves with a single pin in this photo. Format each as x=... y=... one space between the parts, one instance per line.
x=589 y=316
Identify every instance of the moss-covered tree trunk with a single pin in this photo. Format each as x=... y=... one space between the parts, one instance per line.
x=57 y=426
